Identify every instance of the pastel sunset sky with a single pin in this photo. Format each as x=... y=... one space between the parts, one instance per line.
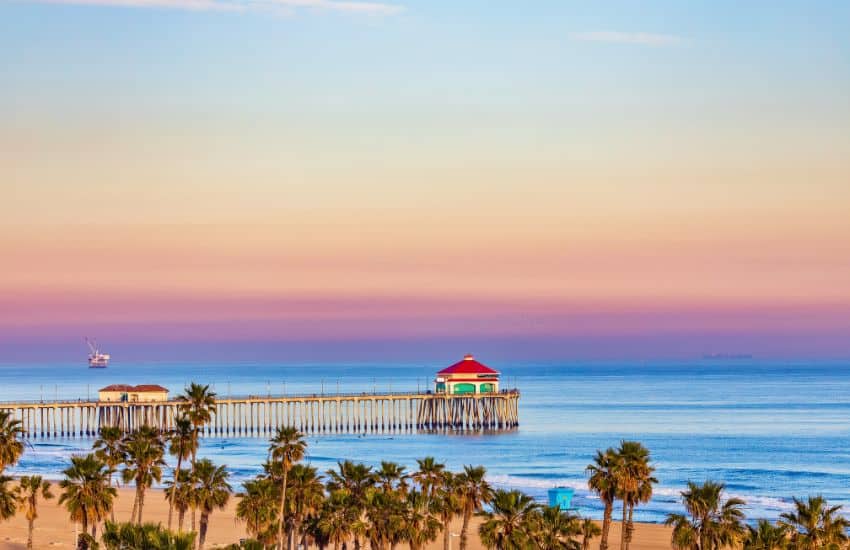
x=295 y=179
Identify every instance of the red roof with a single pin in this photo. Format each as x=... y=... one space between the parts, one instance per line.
x=139 y=388
x=117 y=387
x=468 y=366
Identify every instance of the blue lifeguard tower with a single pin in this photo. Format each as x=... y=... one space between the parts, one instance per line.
x=562 y=497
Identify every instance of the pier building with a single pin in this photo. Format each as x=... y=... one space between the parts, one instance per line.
x=144 y=393
x=467 y=376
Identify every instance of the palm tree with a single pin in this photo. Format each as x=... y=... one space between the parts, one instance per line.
x=446 y=499
x=603 y=481
x=509 y=525
x=336 y=518
x=306 y=494
x=28 y=492
x=87 y=494
x=357 y=481
x=634 y=484
x=814 y=524
x=8 y=498
x=474 y=492
x=766 y=536
x=287 y=447
x=183 y=445
x=711 y=522
x=11 y=446
x=178 y=493
x=419 y=526
x=429 y=475
x=555 y=529
x=258 y=508
x=211 y=492
x=391 y=476
x=198 y=404
x=588 y=530
x=110 y=450
x=144 y=449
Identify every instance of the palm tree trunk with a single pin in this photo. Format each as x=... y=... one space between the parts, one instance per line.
x=112 y=509
x=606 y=525
x=282 y=505
x=175 y=489
x=29 y=532
x=631 y=526
x=141 y=502
x=135 y=506
x=202 y=535
x=194 y=457
x=446 y=536
x=624 y=525
x=181 y=514
x=467 y=515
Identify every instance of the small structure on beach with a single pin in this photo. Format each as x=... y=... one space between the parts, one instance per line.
x=143 y=393
x=467 y=376
x=562 y=497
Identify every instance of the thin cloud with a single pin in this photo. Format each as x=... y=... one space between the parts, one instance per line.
x=339 y=6
x=616 y=37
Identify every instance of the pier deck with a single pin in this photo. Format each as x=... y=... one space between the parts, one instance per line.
x=259 y=416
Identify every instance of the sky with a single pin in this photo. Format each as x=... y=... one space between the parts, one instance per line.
x=347 y=180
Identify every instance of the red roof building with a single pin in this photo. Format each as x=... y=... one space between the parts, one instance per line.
x=467 y=376
x=142 y=393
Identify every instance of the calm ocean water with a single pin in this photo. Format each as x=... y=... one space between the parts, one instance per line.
x=769 y=430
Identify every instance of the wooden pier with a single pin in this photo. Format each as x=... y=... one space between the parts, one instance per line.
x=259 y=416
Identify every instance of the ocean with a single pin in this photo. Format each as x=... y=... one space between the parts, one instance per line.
x=769 y=430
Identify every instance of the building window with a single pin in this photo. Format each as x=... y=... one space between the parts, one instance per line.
x=464 y=388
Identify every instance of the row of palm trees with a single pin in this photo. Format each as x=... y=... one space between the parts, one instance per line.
x=291 y=505
x=712 y=521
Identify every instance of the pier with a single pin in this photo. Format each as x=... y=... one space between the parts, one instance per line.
x=259 y=416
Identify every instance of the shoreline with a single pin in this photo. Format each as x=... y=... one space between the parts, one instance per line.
x=53 y=529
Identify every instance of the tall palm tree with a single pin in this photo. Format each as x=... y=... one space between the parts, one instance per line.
x=198 y=404
x=602 y=480
x=429 y=476
x=109 y=448
x=337 y=517
x=766 y=536
x=814 y=524
x=8 y=498
x=474 y=492
x=419 y=526
x=211 y=492
x=357 y=481
x=588 y=530
x=144 y=449
x=183 y=445
x=178 y=492
x=446 y=499
x=509 y=524
x=634 y=484
x=258 y=508
x=306 y=494
x=11 y=444
x=87 y=494
x=555 y=529
x=29 y=490
x=287 y=447
x=711 y=522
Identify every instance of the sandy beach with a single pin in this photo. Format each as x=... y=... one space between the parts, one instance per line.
x=53 y=530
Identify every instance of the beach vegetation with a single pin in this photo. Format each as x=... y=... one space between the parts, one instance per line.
x=86 y=492
x=144 y=450
x=28 y=492
x=211 y=492
x=711 y=520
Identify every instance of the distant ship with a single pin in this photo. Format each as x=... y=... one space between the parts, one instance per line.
x=97 y=360
x=727 y=356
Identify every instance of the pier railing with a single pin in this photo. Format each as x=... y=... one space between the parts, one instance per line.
x=260 y=415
